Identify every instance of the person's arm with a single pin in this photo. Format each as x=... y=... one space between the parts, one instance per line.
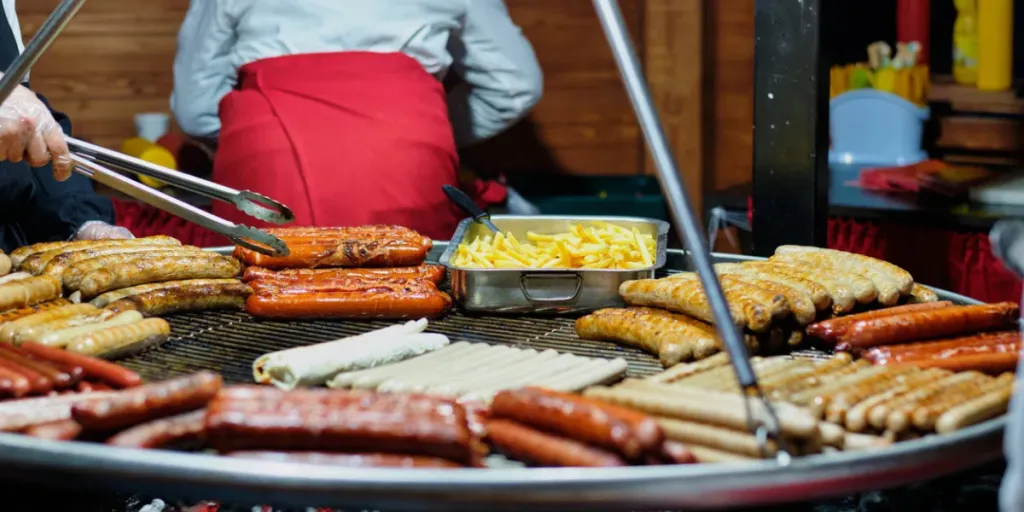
x=502 y=79
x=203 y=72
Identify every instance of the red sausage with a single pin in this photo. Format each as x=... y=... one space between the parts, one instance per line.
x=341 y=253
x=919 y=325
x=891 y=352
x=830 y=330
x=341 y=285
x=94 y=368
x=432 y=273
x=383 y=301
x=60 y=430
x=38 y=384
x=187 y=427
x=138 y=405
x=349 y=460
x=628 y=432
x=991 y=363
x=17 y=415
x=13 y=384
x=57 y=377
x=539 y=449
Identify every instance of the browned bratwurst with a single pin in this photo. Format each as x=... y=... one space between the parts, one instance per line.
x=628 y=432
x=181 y=296
x=187 y=427
x=162 y=268
x=145 y=403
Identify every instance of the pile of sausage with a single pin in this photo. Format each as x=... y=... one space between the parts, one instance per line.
x=837 y=402
x=154 y=275
x=982 y=338
x=547 y=428
x=353 y=272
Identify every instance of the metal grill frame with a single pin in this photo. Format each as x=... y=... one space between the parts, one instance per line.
x=700 y=486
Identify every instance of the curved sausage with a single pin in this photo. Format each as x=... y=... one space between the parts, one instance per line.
x=830 y=330
x=375 y=300
x=670 y=336
x=61 y=338
x=120 y=340
x=194 y=295
x=901 y=277
x=13 y=315
x=540 y=449
x=432 y=273
x=843 y=297
x=888 y=289
x=20 y=254
x=163 y=268
x=188 y=427
x=991 y=362
x=109 y=253
x=367 y=252
x=629 y=432
x=116 y=295
x=145 y=403
x=92 y=368
x=28 y=292
x=918 y=325
x=896 y=353
x=73 y=271
x=12 y=329
x=55 y=374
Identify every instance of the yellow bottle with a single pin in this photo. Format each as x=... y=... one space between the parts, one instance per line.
x=995 y=44
x=151 y=152
x=965 y=42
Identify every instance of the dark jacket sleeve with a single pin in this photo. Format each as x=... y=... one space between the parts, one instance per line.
x=58 y=209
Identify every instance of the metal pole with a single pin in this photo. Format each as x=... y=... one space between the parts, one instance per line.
x=791 y=175
x=675 y=192
x=51 y=28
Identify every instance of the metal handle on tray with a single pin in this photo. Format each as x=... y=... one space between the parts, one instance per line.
x=526 y=278
x=765 y=424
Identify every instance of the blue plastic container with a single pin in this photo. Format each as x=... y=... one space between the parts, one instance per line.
x=875 y=129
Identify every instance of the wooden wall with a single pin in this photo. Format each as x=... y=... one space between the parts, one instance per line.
x=114 y=60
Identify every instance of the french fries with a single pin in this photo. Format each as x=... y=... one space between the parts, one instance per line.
x=599 y=245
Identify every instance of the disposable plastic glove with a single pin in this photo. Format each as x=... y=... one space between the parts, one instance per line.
x=29 y=132
x=98 y=230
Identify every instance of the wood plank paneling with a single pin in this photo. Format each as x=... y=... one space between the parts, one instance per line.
x=731 y=93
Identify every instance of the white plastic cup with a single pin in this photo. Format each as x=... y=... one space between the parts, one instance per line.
x=152 y=125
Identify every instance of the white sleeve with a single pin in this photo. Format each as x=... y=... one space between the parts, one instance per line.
x=503 y=80
x=12 y=20
x=203 y=73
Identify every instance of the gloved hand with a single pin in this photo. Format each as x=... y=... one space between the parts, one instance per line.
x=29 y=132
x=98 y=230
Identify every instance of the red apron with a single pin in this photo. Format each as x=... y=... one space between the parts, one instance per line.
x=343 y=139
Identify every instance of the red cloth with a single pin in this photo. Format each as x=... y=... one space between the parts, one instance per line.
x=343 y=139
x=145 y=220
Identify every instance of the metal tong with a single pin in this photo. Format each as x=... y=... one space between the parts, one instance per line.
x=91 y=161
x=762 y=421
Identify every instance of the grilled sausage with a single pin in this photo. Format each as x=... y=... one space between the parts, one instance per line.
x=925 y=417
x=164 y=268
x=14 y=328
x=17 y=276
x=977 y=343
x=108 y=254
x=984 y=407
x=918 y=325
x=367 y=300
x=19 y=255
x=92 y=367
x=60 y=430
x=344 y=421
x=345 y=284
x=819 y=295
x=920 y=293
x=120 y=340
x=364 y=252
x=145 y=403
x=72 y=273
x=625 y=431
x=109 y=297
x=672 y=337
x=348 y=460
x=5 y=264
x=13 y=384
x=864 y=290
x=991 y=362
x=181 y=296
x=843 y=297
x=686 y=295
x=61 y=338
x=902 y=279
x=17 y=415
x=187 y=427
x=727 y=440
x=799 y=303
x=317 y=235
x=28 y=292
x=541 y=449
x=830 y=330
x=13 y=315
x=879 y=414
x=432 y=273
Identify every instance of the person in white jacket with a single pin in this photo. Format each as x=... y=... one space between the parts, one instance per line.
x=337 y=108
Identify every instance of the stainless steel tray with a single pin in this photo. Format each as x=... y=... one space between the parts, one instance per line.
x=170 y=474
x=544 y=291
